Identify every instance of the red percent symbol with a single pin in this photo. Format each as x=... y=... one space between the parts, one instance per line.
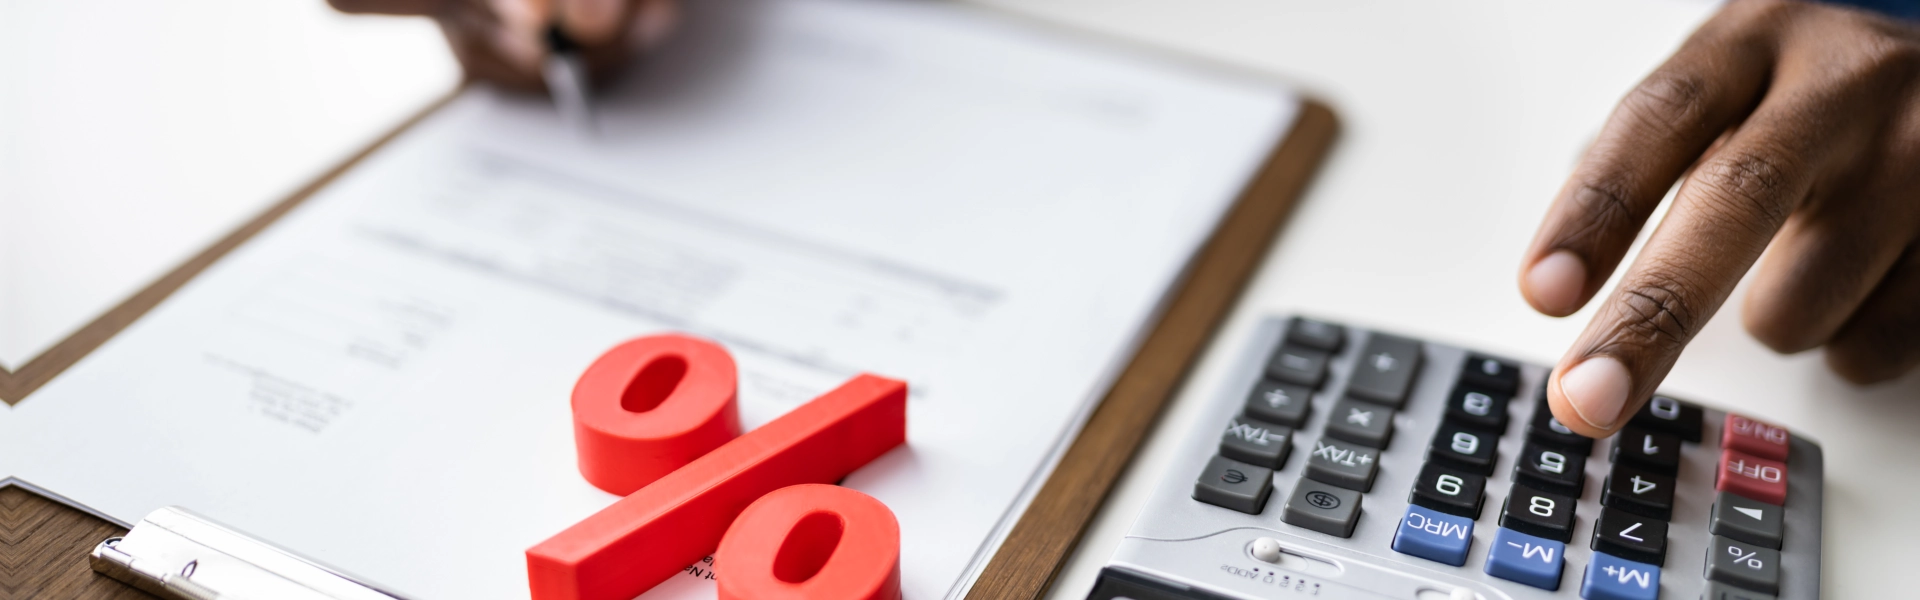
x=650 y=406
x=654 y=532
x=812 y=541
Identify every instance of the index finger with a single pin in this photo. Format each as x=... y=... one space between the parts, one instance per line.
x=1656 y=132
x=1722 y=219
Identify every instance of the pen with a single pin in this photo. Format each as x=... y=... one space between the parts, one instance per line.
x=565 y=73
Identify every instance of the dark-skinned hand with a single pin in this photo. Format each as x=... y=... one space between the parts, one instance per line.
x=504 y=41
x=1793 y=129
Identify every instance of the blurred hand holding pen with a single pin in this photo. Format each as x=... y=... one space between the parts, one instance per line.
x=565 y=73
x=558 y=46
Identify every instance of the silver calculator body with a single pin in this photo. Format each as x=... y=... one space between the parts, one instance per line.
x=1183 y=547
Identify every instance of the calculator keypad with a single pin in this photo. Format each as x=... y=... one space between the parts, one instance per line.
x=1344 y=399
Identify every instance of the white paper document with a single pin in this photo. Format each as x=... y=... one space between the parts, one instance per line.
x=988 y=209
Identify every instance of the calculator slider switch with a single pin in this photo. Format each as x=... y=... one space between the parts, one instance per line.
x=1234 y=485
x=1756 y=438
x=1751 y=476
x=1664 y=413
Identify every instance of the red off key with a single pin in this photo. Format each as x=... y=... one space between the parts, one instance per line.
x=1753 y=477
x=1756 y=438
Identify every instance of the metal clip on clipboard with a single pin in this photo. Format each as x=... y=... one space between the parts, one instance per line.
x=176 y=554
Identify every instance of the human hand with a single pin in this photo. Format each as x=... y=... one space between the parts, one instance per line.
x=503 y=41
x=1792 y=124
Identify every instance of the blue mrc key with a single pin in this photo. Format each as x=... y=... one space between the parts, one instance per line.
x=1613 y=578
x=1434 y=535
x=1535 y=561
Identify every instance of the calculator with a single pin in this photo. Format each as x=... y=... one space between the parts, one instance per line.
x=1345 y=463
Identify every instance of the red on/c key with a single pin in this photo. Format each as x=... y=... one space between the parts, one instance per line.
x=1755 y=438
x=1753 y=477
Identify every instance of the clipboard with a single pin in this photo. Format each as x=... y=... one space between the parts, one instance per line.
x=46 y=539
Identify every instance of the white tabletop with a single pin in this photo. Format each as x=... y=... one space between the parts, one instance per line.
x=128 y=149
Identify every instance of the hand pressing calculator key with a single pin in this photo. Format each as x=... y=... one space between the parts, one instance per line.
x=1430 y=472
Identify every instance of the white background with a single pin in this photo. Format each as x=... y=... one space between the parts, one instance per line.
x=133 y=133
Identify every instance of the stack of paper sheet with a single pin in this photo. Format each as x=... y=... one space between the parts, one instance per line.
x=988 y=209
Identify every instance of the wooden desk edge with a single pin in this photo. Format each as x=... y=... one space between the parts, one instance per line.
x=1040 y=541
x=16 y=385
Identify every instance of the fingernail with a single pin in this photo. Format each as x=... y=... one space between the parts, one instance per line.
x=1555 y=282
x=653 y=21
x=1597 y=390
x=518 y=36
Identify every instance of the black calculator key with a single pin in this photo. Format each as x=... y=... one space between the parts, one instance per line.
x=1362 y=423
x=1298 y=365
x=1491 y=374
x=1478 y=408
x=1743 y=565
x=1630 y=536
x=1256 y=443
x=1232 y=484
x=1548 y=468
x=1385 y=369
x=1466 y=449
x=1344 y=465
x=1640 y=492
x=1323 y=508
x=1672 y=416
x=1540 y=514
x=1315 y=334
x=1747 y=520
x=1545 y=430
x=1450 y=491
x=1720 y=591
x=1279 y=403
x=1657 y=452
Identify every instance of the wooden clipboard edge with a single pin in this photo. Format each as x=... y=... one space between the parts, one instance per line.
x=1037 y=546
x=16 y=385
